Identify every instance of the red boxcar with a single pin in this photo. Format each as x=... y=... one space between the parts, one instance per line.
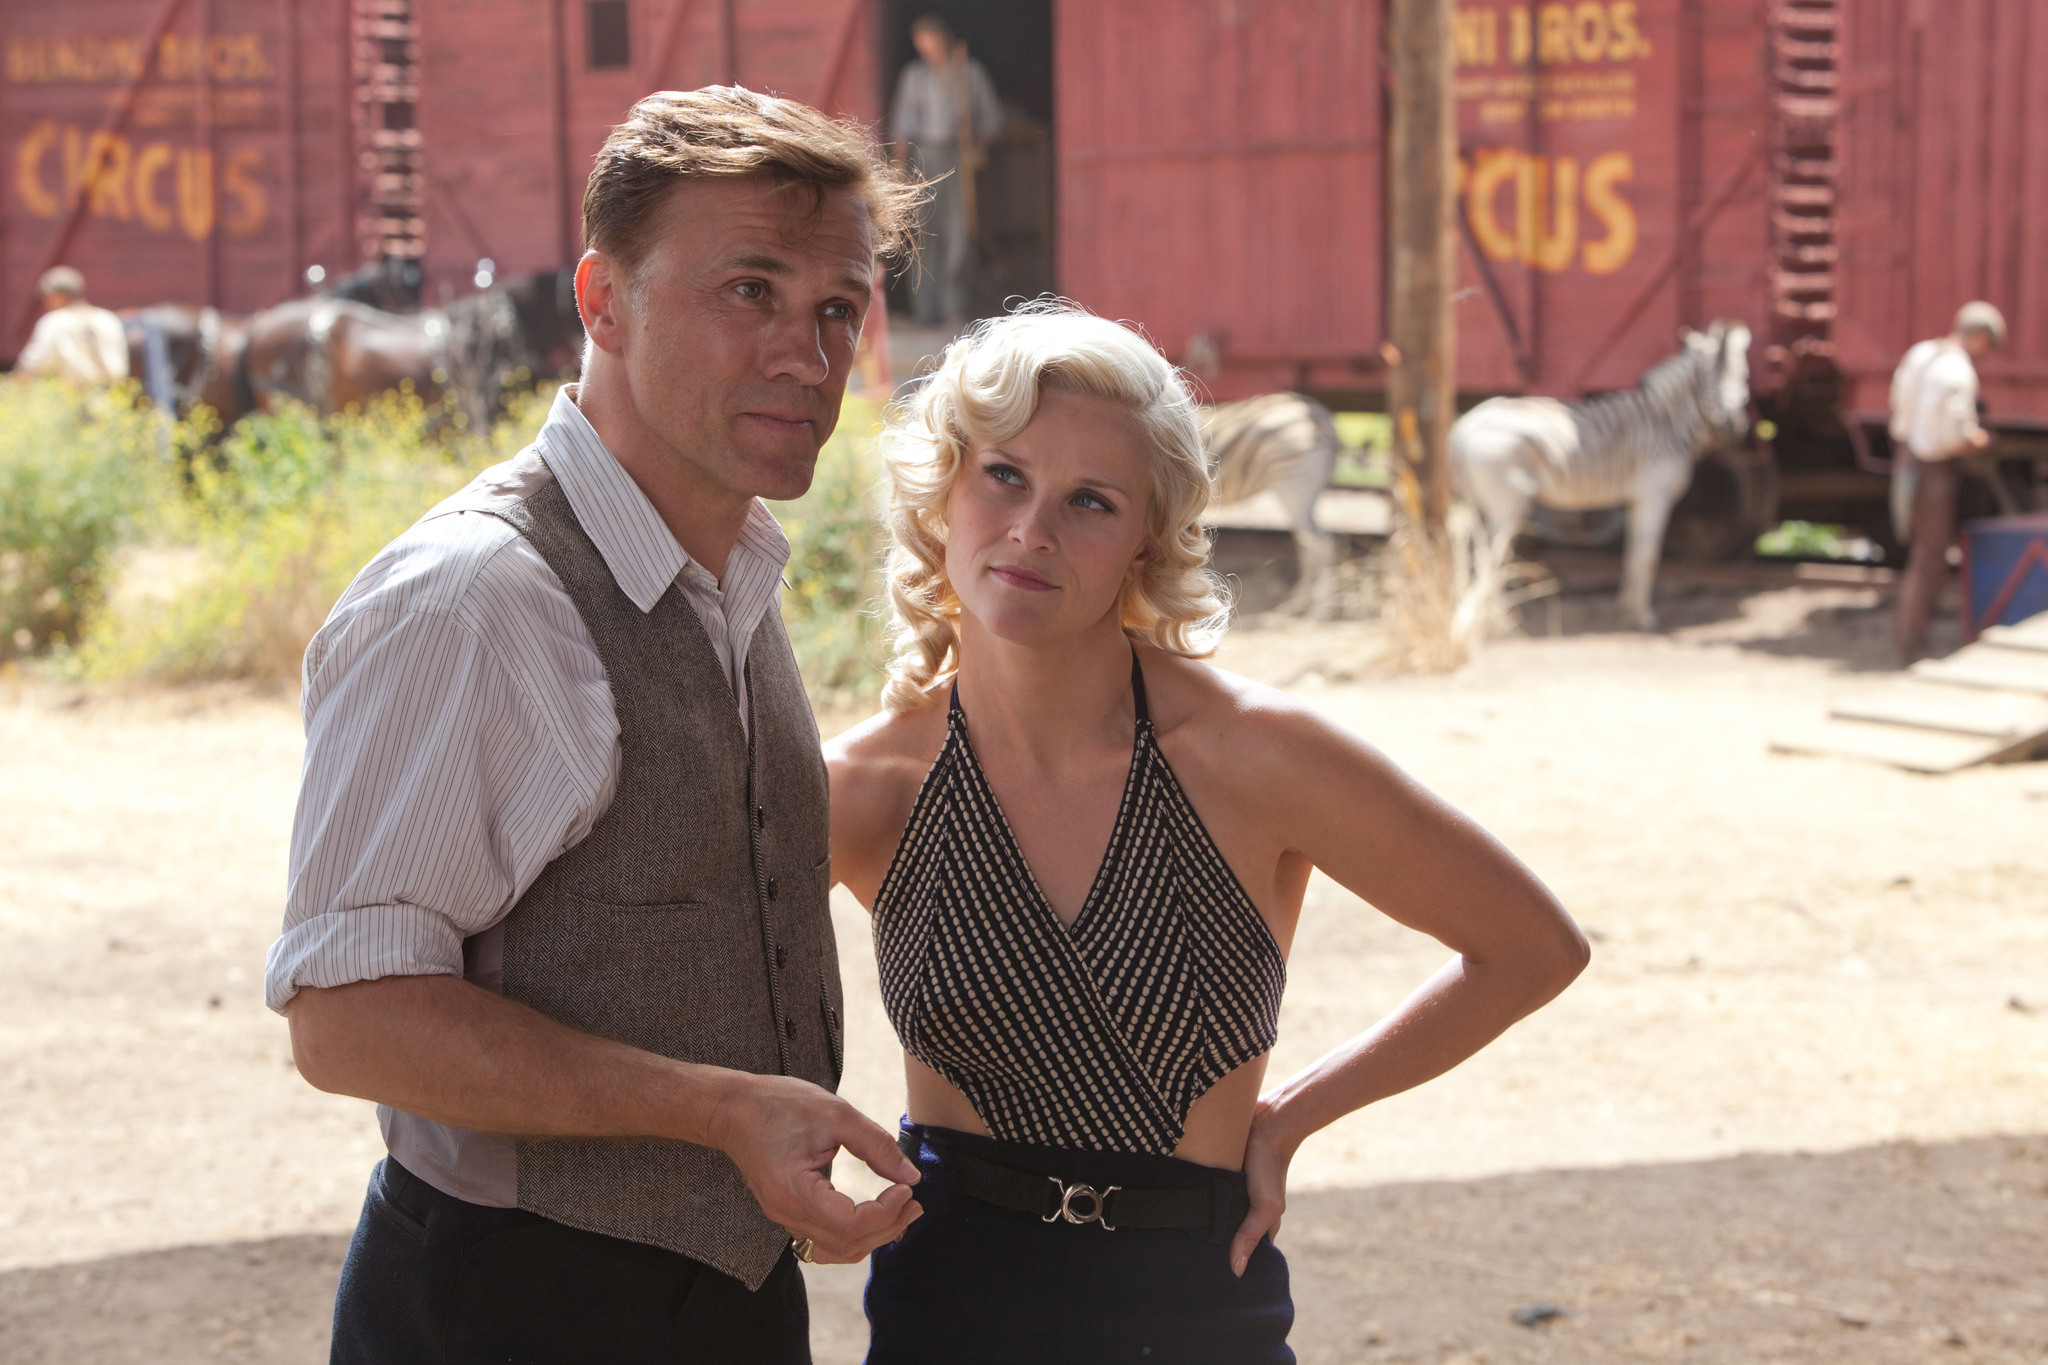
x=516 y=96
x=1221 y=177
x=1944 y=189
x=1220 y=182
x=175 y=150
x=1838 y=176
x=1218 y=168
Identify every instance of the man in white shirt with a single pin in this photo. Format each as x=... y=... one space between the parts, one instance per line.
x=928 y=122
x=1934 y=425
x=557 y=894
x=74 y=340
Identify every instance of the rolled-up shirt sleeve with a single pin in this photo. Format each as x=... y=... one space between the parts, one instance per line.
x=435 y=789
x=1959 y=409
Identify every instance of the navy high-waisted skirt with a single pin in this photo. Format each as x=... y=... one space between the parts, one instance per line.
x=973 y=1284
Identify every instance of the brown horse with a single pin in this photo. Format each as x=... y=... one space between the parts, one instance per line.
x=334 y=354
x=184 y=356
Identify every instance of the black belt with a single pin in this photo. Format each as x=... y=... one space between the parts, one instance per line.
x=1218 y=1209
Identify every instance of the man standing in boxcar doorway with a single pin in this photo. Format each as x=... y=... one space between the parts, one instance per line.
x=1934 y=426
x=73 y=339
x=558 y=877
x=943 y=116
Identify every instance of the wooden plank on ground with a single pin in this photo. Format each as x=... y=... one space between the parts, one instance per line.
x=2031 y=633
x=1955 y=710
x=1897 y=746
x=1986 y=703
x=1989 y=666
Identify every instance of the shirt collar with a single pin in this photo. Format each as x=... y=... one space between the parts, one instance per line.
x=629 y=534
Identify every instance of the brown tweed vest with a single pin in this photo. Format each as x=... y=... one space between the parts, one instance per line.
x=692 y=920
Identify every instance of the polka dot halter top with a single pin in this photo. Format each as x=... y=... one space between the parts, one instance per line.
x=1100 y=1036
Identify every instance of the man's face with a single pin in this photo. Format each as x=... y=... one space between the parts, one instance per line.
x=932 y=45
x=1978 y=344
x=738 y=329
x=56 y=299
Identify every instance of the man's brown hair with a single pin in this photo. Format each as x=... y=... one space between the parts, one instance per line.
x=726 y=131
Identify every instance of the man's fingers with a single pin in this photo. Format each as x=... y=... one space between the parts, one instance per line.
x=827 y=1214
x=857 y=1249
x=876 y=1148
x=875 y=1217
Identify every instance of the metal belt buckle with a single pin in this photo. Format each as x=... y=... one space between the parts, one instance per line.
x=1098 y=1203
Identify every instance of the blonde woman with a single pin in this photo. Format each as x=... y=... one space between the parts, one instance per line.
x=1085 y=853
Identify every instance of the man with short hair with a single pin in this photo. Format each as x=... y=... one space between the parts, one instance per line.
x=942 y=118
x=558 y=875
x=74 y=340
x=1934 y=426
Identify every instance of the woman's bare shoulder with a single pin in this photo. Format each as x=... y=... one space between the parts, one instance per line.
x=876 y=769
x=1214 y=705
x=889 y=738
x=1263 y=740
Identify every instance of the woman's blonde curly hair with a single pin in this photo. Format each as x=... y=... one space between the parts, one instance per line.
x=986 y=390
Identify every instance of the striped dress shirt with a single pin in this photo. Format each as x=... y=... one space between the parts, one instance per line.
x=460 y=735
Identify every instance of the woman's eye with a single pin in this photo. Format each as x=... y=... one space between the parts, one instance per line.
x=1003 y=473
x=1093 y=502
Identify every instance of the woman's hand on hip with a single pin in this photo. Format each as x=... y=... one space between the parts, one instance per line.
x=1267 y=1156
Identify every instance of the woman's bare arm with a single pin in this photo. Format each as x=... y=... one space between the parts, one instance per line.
x=1342 y=805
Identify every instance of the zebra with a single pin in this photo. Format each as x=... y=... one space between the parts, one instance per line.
x=1286 y=444
x=1635 y=447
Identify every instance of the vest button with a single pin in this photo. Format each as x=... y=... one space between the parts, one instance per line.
x=789 y=1028
x=781 y=956
x=771 y=888
x=760 y=817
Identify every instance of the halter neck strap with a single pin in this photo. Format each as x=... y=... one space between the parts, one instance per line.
x=953 y=707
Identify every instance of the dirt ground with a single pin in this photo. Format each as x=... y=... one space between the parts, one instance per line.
x=1796 y=1110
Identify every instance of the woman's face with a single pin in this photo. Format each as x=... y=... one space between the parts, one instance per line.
x=1046 y=528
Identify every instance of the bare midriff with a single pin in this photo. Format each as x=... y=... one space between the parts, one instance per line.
x=1217 y=1125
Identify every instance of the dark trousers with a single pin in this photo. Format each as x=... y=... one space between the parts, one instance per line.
x=972 y=1284
x=430 y=1277
x=1934 y=530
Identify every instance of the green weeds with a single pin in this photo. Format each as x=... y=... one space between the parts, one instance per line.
x=832 y=610
x=77 y=474
x=131 y=548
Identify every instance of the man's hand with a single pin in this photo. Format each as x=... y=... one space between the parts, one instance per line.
x=446 y=1050
x=783 y=1133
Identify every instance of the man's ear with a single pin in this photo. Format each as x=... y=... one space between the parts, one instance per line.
x=600 y=295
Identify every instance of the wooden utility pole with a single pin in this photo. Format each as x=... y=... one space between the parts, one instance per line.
x=1422 y=263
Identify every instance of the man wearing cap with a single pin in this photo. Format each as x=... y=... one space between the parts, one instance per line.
x=1934 y=425
x=944 y=113
x=74 y=340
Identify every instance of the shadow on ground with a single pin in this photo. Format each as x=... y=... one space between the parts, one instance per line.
x=1882 y=1255
x=1754 y=605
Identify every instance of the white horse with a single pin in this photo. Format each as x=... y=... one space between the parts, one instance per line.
x=1635 y=447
